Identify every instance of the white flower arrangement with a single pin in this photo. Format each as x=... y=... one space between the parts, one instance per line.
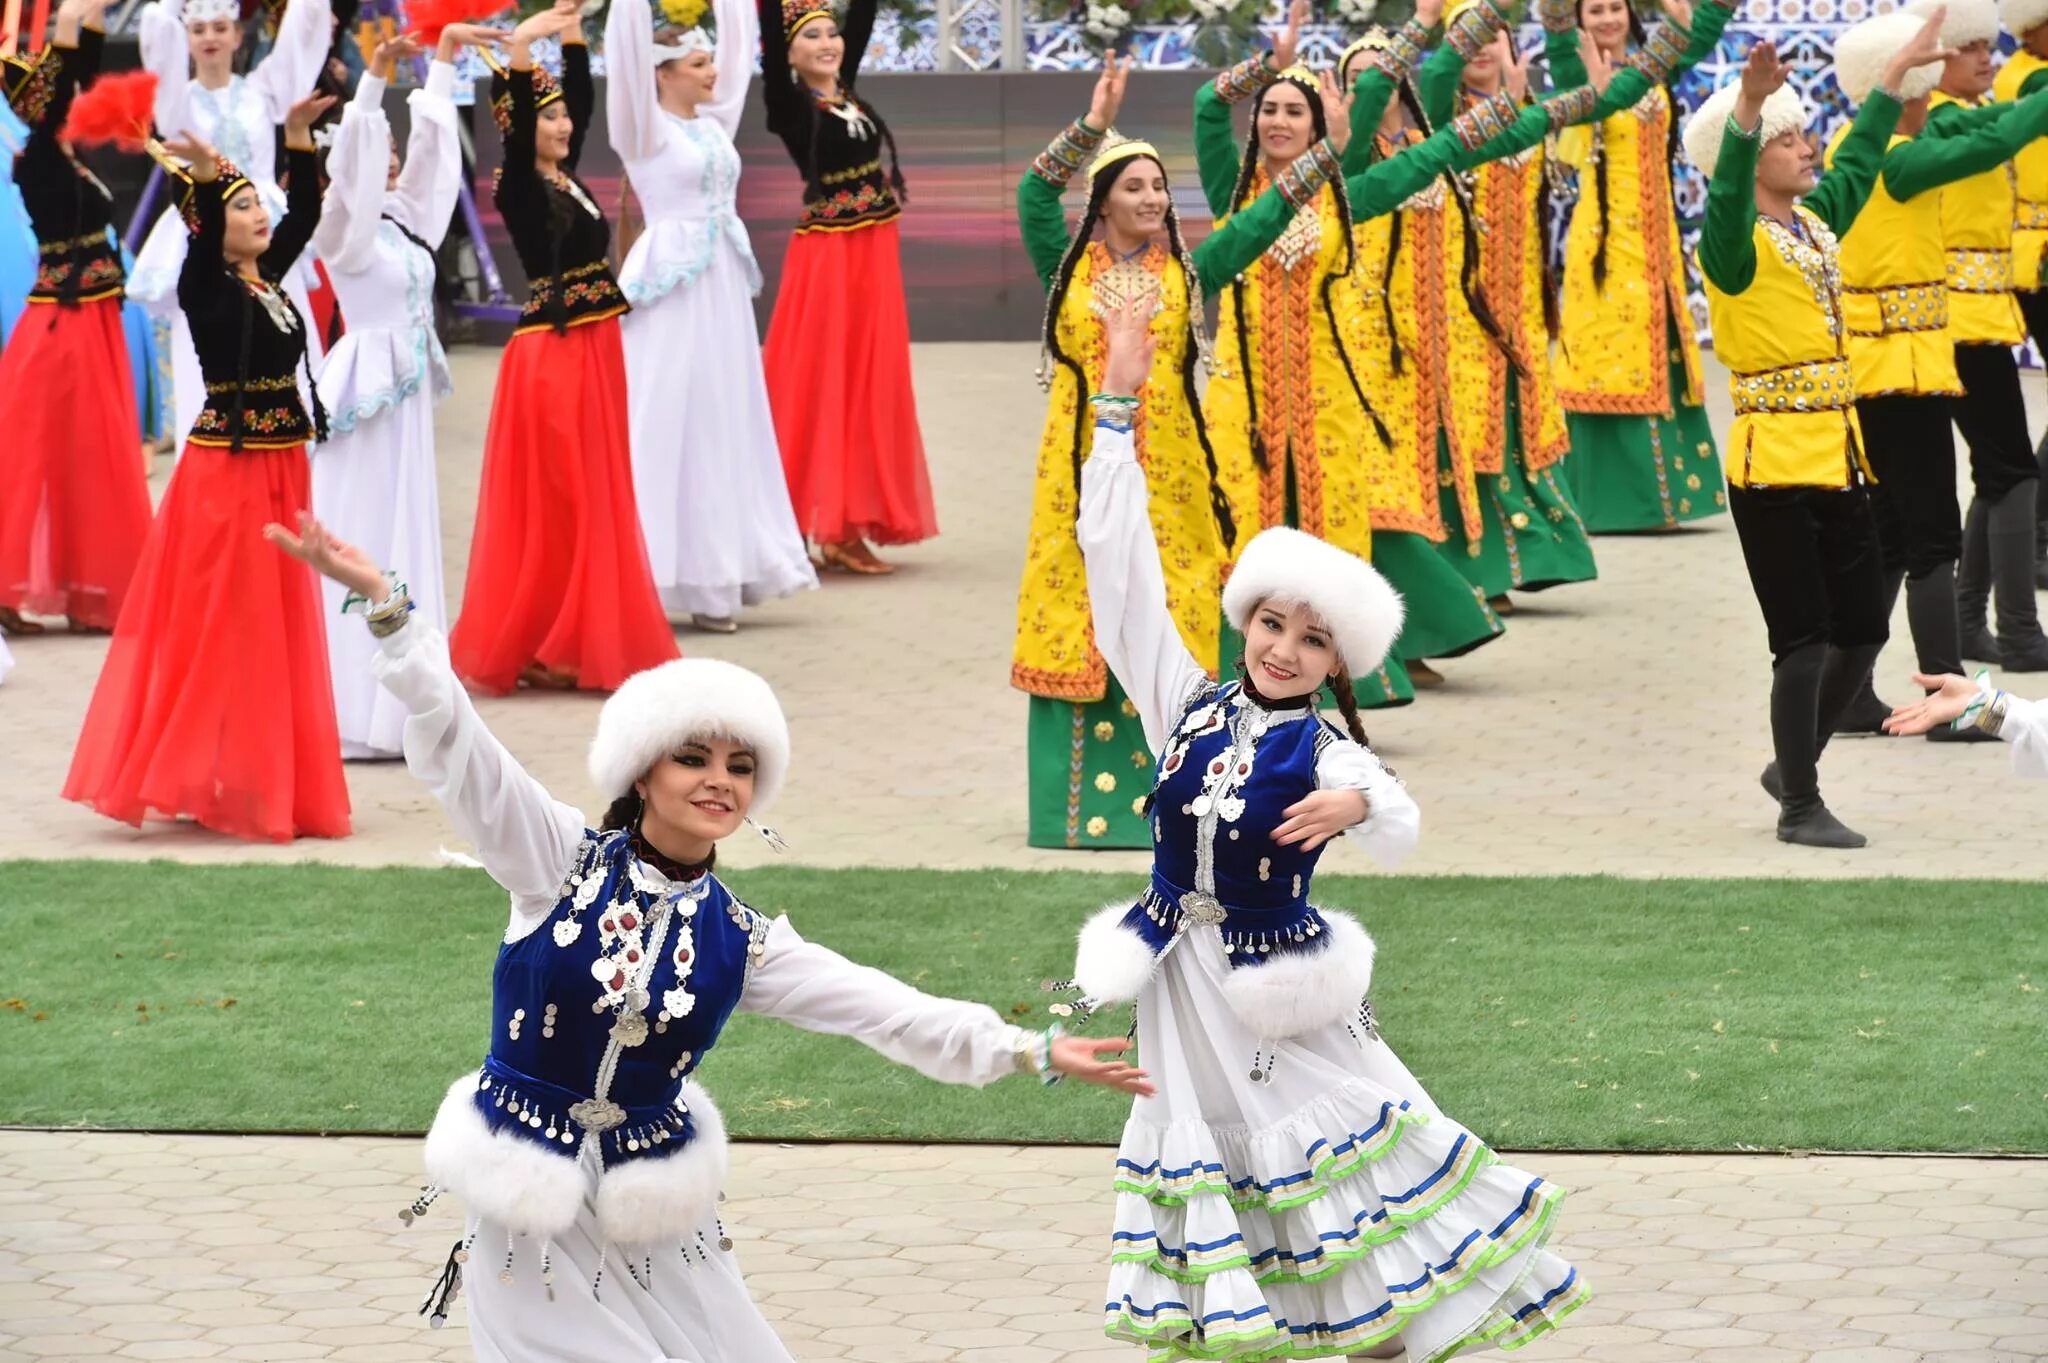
x=1355 y=12
x=1209 y=11
x=1107 y=22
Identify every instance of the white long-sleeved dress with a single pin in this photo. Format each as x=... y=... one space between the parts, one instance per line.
x=668 y=1306
x=707 y=472
x=374 y=481
x=1290 y=1190
x=240 y=120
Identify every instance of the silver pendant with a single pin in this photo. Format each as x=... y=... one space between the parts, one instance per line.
x=677 y=1003
x=1202 y=908
x=630 y=1030
x=597 y=1114
x=567 y=931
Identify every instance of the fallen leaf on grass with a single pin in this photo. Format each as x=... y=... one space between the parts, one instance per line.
x=1967 y=1107
x=1693 y=1075
x=227 y=1003
x=1720 y=1027
x=18 y=1005
x=40 y=1017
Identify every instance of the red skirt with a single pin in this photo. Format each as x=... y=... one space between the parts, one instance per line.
x=558 y=571
x=838 y=367
x=74 y=502
x=215 y=700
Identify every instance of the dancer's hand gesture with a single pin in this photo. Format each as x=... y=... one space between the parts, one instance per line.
x=201 y=160
x=1429 y=11
x=1336 y=110
x=390 y=52
x=1951 y=696
x=1109 y=91
x=1288 y=45
x=1679 y=12
x=549 y=23
x=1925 y=47
x=1762 y=74
x=1314 y=819
x=1128 y=363
x=466 y=35
x=1599 y=67
x=1514 y=68
x=330 y=557
x=1080 y=1057
x=300 y=118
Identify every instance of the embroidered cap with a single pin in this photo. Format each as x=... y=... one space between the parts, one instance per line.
x=1117 y=148
x=227 y=179
x=546 y=90
x=797 y=13
x=31 y=82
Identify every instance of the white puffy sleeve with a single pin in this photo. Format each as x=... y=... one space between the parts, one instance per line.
x=431 y=178
x=632 y=110
x=286 y=76
x=819 y=990
x=1393 y=822
x=739 y=34
x=2026 y=730
x=357 y=165
x=1127 y=589
x=160 y=33
x=524 y=836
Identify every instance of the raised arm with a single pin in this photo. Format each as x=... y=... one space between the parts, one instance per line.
x=1231 y=248
x=779 y=90
x=200 y=278
x=431 y=180
x=1441 y=75
x=1040 y=218
x=1841 y=193
x=632 y=109
x=1489 y=130
x=357 y=164
x=288 y=238
x=160 y=34
x=579 y=92
x=1126 y=586
x=857 y=27
x=1561 y=39
x=739 y=33
x=524 y=837
x=1934 y=159
x=1380 y=75
x=1728 y=237
x=287 y=75
x=1216 y=149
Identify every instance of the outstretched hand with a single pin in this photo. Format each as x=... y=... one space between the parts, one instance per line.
x=1287 y=46
x=1080 y=1057
x=1951 y=695
x=1924 y=47
x=330 y=557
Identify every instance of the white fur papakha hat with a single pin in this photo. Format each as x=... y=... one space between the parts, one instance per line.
x=1783 y=112
x=1967 y=21
x=1361 y=609
x=2019 y=16
x=658 y=710
x=1864 y=50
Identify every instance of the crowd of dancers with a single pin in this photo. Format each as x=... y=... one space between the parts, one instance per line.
x=1395 y=369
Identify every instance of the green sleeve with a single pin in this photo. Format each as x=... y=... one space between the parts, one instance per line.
x=1387 y=185
x=1843 y=191
x=1929 y=162
x=1229 y=250
x=1951 y=119
x=1437 y=84
x=1369 y=96
x=1216 y=149
x=1728 y=237
x=1043 y=223
x=1709 y=21
x=1561 y=55
x=2037 y=81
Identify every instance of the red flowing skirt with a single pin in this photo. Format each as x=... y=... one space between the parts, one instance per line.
x=838 y=367
x=74 y=501
x=215 y=700
x=558 y=571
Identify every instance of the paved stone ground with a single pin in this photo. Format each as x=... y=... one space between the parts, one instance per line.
x=269 y=1248
x=1618 y=727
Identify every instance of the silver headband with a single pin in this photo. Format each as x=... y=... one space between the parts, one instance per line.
x=695 y=40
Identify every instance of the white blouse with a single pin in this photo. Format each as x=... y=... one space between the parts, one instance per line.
x=1138 y=639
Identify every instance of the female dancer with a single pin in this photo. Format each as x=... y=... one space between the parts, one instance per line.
x=375 y=481
x=1291 y=1190
x=1080 y=718
x=190 y=45
x=559 y=591
x=838 y=349
x=74 y=506
x=584 y=1142
x=215 y=702
x=1628 y=368
x=713 y=506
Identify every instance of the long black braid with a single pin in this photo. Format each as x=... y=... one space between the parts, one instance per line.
x=1637 y=36
x=1247 y=166
x=1056 y=298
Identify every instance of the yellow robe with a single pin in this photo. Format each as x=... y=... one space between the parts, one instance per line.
x=2030 y=169
x=1055 y=653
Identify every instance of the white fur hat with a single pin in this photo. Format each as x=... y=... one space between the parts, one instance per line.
x=2019 y=16
x=662 y=708
x=1783 y=112
x=1864 y=50
x=1362 y=611
x=1968 y=21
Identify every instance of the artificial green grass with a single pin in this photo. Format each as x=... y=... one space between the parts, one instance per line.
x=1583 y=1013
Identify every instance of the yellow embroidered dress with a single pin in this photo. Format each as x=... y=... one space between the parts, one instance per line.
x=2023 y=74
x=1628 y=362
x=1089 y=762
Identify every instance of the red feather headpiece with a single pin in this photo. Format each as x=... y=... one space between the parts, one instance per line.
x=116 y=108
x=427 y=18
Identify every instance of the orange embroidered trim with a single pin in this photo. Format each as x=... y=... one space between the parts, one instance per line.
x=1431 y=354
x=1078 y=686
x=1284 y=316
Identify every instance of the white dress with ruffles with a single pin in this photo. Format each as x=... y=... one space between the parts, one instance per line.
x=240 y=120
x=669 y=1309
x=374 y=481
x=1326 y=1205
x=707 y=472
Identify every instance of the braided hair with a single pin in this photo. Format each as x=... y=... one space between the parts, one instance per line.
x=1194 y=351
x=1638 y=36
x=1239 y=193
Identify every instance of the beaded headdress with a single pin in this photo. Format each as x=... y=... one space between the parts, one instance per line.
x=204 y=11
x=31 y=82
x=228 y=178
x=1117 y=148
x=546 y=90
x=797 y=13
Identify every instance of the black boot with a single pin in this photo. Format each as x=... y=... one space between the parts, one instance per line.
x=2021 y=645
x=1973 y=585
x=1865 y=713
x=2041 y=515
x=1796 y=685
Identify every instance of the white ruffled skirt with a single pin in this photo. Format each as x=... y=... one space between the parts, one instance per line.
x=707 y=473
x=1318 y=1212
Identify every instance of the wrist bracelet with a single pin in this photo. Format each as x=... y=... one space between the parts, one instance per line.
x=1114 y=410
x=390 y=615
x=1042 y=1052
